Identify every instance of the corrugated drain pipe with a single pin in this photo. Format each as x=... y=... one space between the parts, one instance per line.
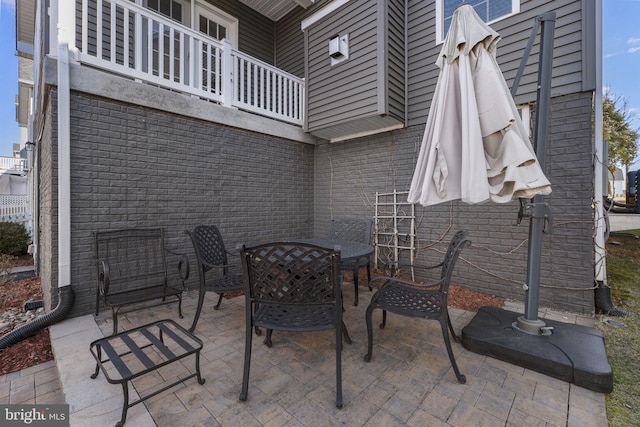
x=66 y=298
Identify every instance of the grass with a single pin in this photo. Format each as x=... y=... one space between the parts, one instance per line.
x=623 y=342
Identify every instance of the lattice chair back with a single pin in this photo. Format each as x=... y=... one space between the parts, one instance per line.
x=356 y=229
x=292 y=273
x=292 y=287
x=209 y=246
x=456 y=245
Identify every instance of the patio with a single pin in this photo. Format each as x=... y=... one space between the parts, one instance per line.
x=408 y=382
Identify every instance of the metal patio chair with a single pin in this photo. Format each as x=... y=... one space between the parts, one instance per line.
x=211 y=254
x=406 y=297
x=292 y=287
x=358 y=230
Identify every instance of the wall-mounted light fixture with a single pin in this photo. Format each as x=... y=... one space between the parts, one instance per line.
x=339 y=48
x=29 y=145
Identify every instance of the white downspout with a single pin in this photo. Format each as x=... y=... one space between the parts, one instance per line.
x=66 y=25
x=599 y=166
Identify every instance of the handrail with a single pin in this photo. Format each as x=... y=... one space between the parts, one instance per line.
x=136 y=42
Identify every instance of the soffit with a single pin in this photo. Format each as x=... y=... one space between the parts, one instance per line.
x=276 y=9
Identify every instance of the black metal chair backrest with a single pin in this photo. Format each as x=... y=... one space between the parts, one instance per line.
x=291 y=274
x=209 y=246
x=456 y=245
x=358 y=230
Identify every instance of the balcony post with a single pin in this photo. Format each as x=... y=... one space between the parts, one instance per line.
x=226 y=78
x=62 y=26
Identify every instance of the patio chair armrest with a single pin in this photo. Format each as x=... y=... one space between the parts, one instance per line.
x=380 y=282
x=184 y=268
x=392 y=268
x=103 y=277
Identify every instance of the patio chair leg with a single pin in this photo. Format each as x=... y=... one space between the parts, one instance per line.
x=97 y=371
x=367 y=357
x=384 y=319
x=447 y=342
x=125 y=406
x=217 y=306
x=455 y=336
x=200 y=379
x=267 y=338
x=114 y=315
x=355 y=285
x=247 y=364
x=345 y=333
x=339 y=333
x=201 y=295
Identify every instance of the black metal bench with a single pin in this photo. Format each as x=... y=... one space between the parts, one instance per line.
x=132 y=270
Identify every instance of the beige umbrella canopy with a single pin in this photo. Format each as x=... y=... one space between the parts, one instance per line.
x=475 y=146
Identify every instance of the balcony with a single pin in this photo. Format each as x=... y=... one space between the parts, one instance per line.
x=13 y=164
x=121 y=37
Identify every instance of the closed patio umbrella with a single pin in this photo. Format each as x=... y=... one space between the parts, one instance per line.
x=475 y=149
x=474 y=146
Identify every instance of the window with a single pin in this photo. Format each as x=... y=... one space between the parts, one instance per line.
x=489 y=10
x=170 y=8
x=216 y=23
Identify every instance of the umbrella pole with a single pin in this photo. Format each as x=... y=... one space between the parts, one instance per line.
x=540 y=213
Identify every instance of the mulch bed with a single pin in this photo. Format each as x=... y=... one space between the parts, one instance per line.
x=35 y=349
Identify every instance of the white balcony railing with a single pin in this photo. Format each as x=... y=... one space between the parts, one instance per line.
x=13 y=164
x=124 y=38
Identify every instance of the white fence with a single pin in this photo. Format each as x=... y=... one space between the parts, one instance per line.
x=130 y=40
x=15 y=209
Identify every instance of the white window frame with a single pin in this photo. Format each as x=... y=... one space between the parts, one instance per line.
x=440 y=34
x=223 y=18
x=186 y=10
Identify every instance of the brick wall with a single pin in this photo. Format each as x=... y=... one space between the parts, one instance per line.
x=348 y=174
x=135 y=167
x=47 y=256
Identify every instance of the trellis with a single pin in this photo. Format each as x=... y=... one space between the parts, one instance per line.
x=394 y=227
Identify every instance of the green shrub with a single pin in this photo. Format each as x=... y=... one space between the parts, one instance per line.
x=14 y=238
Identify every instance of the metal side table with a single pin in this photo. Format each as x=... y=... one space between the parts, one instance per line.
x=138 y=351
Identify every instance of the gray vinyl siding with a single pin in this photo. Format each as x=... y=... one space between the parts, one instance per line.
x=256 y=33
x=568 y=62
x=290 y=39
x=371 y=81
x=395 y=61
x=290 y=43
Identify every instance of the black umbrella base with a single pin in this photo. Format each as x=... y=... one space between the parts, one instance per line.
x=572 y=353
